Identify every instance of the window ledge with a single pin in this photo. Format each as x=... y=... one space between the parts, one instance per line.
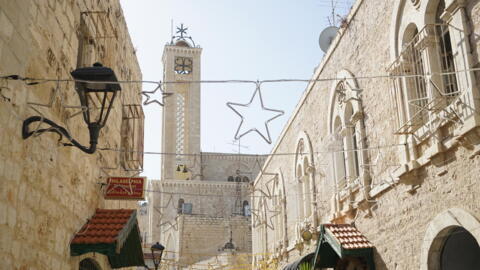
x=377 y=190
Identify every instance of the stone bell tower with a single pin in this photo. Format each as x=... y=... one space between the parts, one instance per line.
x=181 y=114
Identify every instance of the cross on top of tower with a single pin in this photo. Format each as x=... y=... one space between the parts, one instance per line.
x=181 y=30
x=181 y=37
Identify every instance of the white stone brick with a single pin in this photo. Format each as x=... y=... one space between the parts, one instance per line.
x=6 y=28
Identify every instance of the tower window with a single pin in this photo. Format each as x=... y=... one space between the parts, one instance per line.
x=183 y=65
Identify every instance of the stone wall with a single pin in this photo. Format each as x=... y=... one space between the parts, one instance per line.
x=207 y=228
x=219 y=166
x=232 y=259
x=208 y=198
x=49 y=191
x=204 y=237
x=396 y=202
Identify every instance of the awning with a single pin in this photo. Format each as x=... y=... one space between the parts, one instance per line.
x=114 y=233
x=295 y=265
x=340 y=241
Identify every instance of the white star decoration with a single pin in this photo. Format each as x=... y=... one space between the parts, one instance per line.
x=258 y=213
x=151 y=95
x=255 y=102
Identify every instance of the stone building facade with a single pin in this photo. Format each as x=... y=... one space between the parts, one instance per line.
x=389 y=147
x=48 y=190
x=202 y=200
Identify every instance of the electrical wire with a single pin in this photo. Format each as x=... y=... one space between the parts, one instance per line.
x=34 y=81
x=210 y=154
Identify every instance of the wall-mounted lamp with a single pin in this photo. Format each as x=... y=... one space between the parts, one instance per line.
x=96 y=93
x=157 y=252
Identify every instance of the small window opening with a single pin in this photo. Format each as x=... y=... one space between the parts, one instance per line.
x=181 y=202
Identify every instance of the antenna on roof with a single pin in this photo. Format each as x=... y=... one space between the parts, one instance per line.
x=171 y=27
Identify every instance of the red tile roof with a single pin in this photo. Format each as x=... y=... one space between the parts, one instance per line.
x=348 y=236
x=103 y=227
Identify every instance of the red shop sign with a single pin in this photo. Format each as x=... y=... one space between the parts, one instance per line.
x=125 y=188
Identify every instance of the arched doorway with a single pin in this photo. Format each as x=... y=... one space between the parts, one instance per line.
x=451 y=242
x=460 y=251
x=351 y=263
x=88 y=264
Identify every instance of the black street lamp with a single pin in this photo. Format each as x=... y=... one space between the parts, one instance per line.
x=96 y=88
x=157 y=252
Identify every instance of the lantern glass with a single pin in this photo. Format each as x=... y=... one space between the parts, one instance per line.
x=97 y=106
x=97 y=88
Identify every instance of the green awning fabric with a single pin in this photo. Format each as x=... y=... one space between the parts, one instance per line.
x=330 y=249
x=296 y=264
x=123 y=248
x=131 y=254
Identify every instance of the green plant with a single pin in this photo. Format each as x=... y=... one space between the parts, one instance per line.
x=305 y=266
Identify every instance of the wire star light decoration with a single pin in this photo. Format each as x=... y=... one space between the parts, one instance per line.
x=197 y=168
x=172 y=225
x=150 y=95
x=267 y=221
x=242 y=130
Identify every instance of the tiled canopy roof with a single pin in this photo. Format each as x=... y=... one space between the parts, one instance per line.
x=338 y=241
x=114 y=233
x=348 y=236
x=104 y=227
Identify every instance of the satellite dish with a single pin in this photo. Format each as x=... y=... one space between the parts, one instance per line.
x=326 y=37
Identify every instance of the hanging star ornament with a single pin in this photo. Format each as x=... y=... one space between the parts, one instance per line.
x=259 y=213
x=150 y=95
x=244 y=129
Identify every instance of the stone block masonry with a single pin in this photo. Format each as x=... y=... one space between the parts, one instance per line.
x=409 y=190
x=48 y=191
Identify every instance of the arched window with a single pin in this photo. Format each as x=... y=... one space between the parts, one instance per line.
x=230 y=179
x=416 y=87
x=450 y=86
x=279 y=210
x=340 y=165
x=307 y=189
x=246 y=209
x=300 y=211
x=245 y=179
x=238 y=179
x=433 y=44
x=181 y=202
x=346 y=141
x=305 y=179
x=88 y=264
x=351 y=140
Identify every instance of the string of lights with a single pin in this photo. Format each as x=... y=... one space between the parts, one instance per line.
x=210 y=154
x=34 y=81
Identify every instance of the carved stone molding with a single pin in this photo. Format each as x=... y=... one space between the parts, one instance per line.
x=415 y=3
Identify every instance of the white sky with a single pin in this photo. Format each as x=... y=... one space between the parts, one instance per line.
x=247 y=40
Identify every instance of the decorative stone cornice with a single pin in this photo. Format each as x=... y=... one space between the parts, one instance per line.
x=229 y=156
x=202 y=183
x=178 y=49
